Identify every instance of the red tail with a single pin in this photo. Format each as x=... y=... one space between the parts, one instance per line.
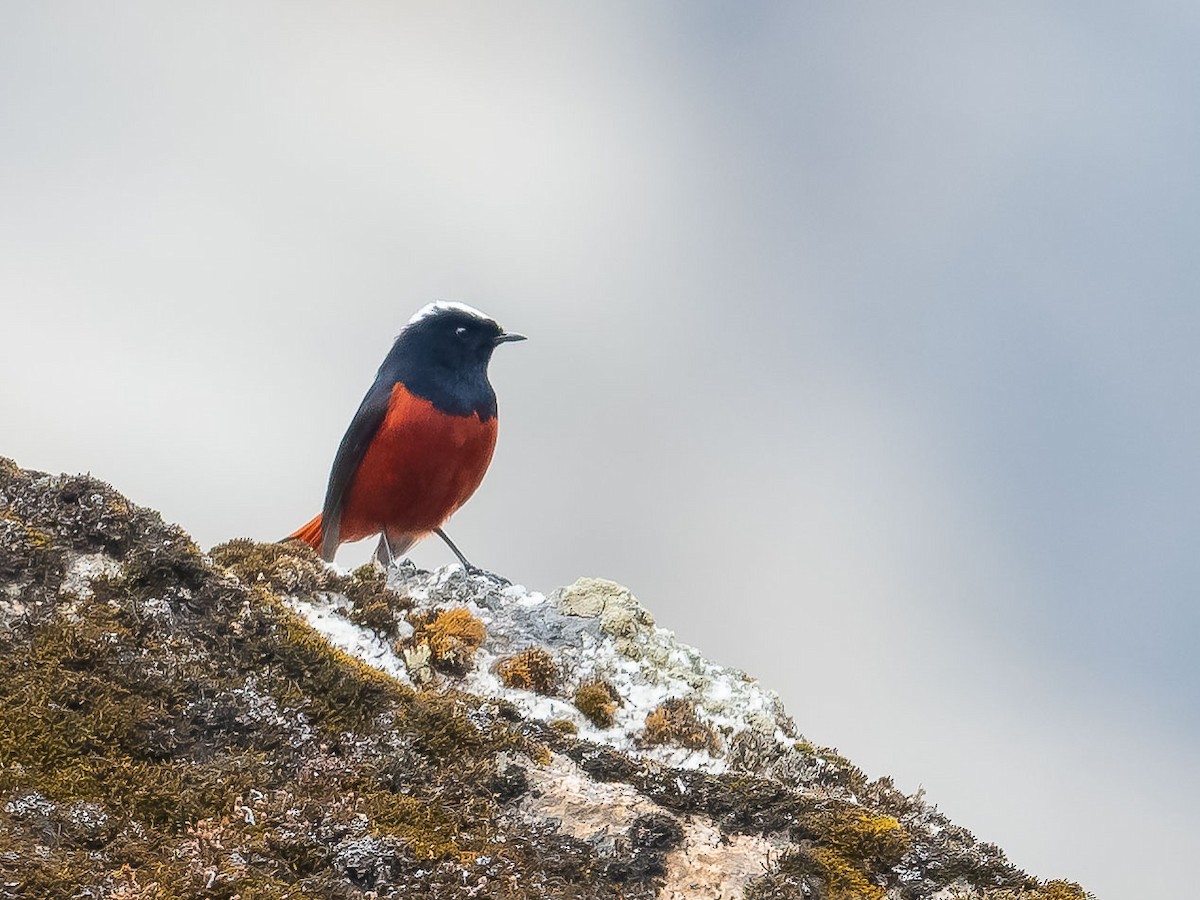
x=310 y=533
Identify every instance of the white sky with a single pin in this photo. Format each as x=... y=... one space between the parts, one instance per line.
x=862 y=338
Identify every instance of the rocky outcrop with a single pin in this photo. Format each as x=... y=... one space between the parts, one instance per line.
x=253 y=723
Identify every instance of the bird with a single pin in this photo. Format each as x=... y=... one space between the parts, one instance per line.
x=421 y=440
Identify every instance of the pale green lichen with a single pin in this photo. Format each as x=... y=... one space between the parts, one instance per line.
x=620 y=614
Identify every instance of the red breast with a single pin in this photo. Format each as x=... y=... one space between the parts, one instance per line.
x=420 y=467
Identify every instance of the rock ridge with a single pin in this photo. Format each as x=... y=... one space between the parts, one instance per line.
x=254 y=723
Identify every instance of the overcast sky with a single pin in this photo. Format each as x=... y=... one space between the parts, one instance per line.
x=863 y=338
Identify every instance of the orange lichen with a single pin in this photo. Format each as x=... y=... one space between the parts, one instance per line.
x=598 y=701
x=675 y=722
x=564 y=726
x=452 y=635
x=530 y=670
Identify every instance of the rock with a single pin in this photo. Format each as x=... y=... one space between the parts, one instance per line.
x=256 y=723
x=617 y=609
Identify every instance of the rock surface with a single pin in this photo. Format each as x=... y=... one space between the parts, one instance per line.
x=254 y=723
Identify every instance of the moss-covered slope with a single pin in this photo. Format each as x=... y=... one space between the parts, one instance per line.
x=169 y=727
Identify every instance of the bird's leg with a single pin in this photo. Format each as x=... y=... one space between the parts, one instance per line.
x=384 y=552
x=466 y=563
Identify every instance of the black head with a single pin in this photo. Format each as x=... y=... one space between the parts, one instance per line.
x=442 y=355
x=454 y=335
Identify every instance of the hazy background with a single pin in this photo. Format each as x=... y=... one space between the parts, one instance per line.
x=863 y=338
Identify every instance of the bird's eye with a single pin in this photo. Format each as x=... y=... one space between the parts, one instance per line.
x=460 y=330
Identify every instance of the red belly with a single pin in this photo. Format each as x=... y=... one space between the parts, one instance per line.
x=420 y=467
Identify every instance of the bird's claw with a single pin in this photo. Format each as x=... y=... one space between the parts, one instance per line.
x=473 y=570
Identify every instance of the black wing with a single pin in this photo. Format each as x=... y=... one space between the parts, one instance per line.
x=363 y=427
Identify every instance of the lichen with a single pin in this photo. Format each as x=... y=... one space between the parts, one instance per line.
x=675 y=722
x=530 y=670
x=619 y=613
x=598 y=701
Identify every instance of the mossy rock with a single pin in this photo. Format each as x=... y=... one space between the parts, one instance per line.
x=175 y=730
x=183 y=733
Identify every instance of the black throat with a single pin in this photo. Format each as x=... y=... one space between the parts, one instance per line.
x=457 y=386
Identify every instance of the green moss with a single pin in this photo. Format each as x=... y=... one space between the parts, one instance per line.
x=843 y=880
x=288 y=568
x=372 y=604
x=675 y=722
x=598 y=701
x=875 y=842
x=1044 y=890
x=225 y=748
x=81 y=720
x=338 y=692
x=530 y=670
x=422 y=825
x=112 y=703
x=856 y=849
x=1061 y=890
x=848 y=855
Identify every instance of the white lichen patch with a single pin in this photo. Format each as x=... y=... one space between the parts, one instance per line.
x=84 y=568
x=619 y=613
x=261 y=707
x=327 y=616
x=30 y=805
x=593 y=629
x=13 y=604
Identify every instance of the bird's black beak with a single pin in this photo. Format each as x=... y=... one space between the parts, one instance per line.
x=506 y=337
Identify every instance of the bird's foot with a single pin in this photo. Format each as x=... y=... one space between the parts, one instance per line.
x=474 y=570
